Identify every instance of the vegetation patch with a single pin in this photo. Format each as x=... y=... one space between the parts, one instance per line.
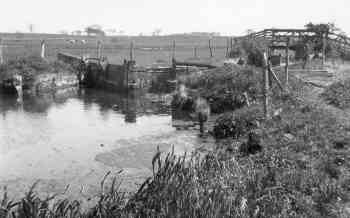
x=237 y=123
x=224 y=87
x=338 y=94
x=31 y=66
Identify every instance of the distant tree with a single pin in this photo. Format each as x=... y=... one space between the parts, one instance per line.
x=111 y=31
x=316 y=42
x=95 y=30
x=77 y=32
x=249 y=31
x=322 y=28
x=63 y=32
x=156 y=32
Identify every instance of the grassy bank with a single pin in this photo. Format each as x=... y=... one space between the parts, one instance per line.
x=302 y=169
x=30 y=66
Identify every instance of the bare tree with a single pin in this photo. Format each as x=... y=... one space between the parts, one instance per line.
x=157 y=32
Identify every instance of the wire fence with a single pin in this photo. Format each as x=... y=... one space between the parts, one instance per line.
x=144 y=54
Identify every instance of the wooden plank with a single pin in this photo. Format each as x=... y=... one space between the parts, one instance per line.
x=177 y=63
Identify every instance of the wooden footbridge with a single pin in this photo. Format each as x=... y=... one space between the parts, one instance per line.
x=280 y=38
x=284 y=39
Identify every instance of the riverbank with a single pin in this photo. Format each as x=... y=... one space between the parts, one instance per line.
x=301 y=169
x=34 y=74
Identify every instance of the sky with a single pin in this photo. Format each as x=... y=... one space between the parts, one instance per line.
x=229 y=17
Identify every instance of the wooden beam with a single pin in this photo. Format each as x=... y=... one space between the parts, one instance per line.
x=266 y=87
x=210 y=49
x=274 y=76
x=178 y=63
x=287 y=62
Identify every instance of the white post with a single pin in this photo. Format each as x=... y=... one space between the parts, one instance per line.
x=43 y=47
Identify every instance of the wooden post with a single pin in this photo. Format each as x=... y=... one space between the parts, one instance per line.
x=344 y=50
x=174 y=46
x=323 y=50
x=227 y=48
x=210 y=49
x=195 y=51
x=287 y=62
x=43 y=46
x=131 y=51
x=231 y=44
x=1 y=52
x=266 y=87
x=99 y=49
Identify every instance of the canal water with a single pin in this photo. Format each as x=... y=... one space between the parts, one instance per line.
x=75 y=136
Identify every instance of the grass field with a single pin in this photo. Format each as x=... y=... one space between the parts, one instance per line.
x=147 y=49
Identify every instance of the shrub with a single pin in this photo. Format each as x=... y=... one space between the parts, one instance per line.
x=338 y=94
x=32 y=65
x=223 y=87
x=238 y=123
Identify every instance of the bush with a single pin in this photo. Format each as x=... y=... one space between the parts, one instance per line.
x=338 y=94
x=32 y=65
x=183 y=103
x=223 y=87
x=238 y=123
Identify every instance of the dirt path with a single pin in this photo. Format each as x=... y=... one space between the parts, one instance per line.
x=318 y=81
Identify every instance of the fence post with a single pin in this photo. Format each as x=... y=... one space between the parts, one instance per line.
x=323 y=50
x=43 y=47
x=210 y=49
x=287 y=62
x=227 y=47
x=173 y=50
x=266 y=87
x=1 y=52
x=99 y=49
x=131 y=51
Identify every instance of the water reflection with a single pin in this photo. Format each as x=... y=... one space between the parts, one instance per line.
x=131 y=104
x=129 y=108
x=63 y=131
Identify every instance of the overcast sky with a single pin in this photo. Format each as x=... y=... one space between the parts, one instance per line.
x=229 y=17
